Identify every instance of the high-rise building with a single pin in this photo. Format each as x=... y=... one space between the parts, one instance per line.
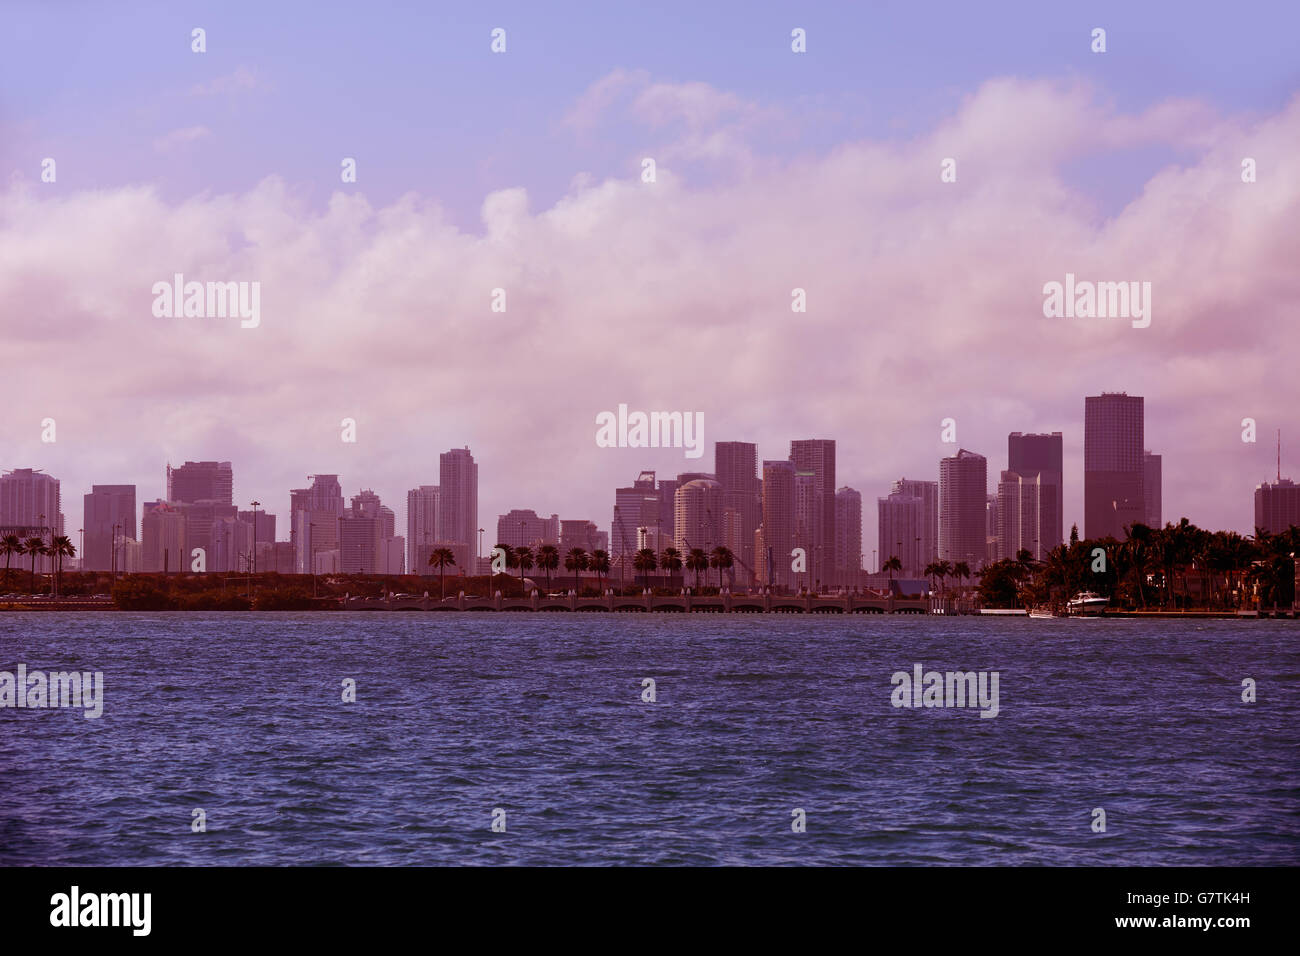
x=162 y=537
x=1151 y=481
x=201 y=481
x=458 y=505
x=421 y=527
x=30 y=507
x=928 y=493
x=1277 y=506
x=635 y=507
x=848 y=536
x=776 y=540
x=230 y=544
x=817 y=456
x=107 y=511
x=963 y=509
x=315 y=512
x=900 y=520
x=581 y=533
x=1021 y=502
x=1113 y=469
x=736 y=465
x=698 y=520
x=523 y=528
x=1040 y=456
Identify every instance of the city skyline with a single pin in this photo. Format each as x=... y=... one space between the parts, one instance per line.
x=709 y=509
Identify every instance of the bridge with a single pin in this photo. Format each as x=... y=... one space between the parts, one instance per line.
x=644 y=603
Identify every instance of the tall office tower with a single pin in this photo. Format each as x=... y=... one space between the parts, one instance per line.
x=458 y=505
x=581 y=533
x=698 y=507
x=736 y=465
x=107 y=511
x=1112 y=464
x=263 y=525
x=367 y=505
x=421 y=527
x=777 y=540
x=1039 y=455
x=524 y=528
x=361 y=540
x=1151 y=481
x=807 y=514
x=667 y=506
x=1021 y=502
x=314 y=520
x=848 y=536
x=201 y=481
x=635 y=507
x=1277 y=506
x=900 y=527
x=963 y=509
x=30 y=508
x=817 y=455
x=928 y=492
x=162 y=537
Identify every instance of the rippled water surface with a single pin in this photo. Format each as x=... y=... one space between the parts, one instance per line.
x=541 y=715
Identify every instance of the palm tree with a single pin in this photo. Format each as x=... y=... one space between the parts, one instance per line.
x=34 y=547
x=440 y=558
x=945 y=570
x=10 y=545
x=961 y=571
x=892 y=565
x=697 y=561
x=575 y=561
x=932 y=571
x=723 y=560
x=645 y=562
x=523 y=561
x=61 y=547
x=599 y=562
x=671 y=561
x=548 y=559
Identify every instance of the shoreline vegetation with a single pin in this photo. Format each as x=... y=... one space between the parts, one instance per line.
x=1177 y=571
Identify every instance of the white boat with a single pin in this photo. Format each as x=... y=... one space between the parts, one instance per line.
x=1042 y=612
x=1087 y=604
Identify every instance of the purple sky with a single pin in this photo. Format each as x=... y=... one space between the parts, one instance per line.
x=521 y=170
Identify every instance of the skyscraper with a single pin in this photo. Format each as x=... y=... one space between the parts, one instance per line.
x=928 y=493
x=201 y=481
x=736 y=465
x=1151 y=481
x=30 y=506
x=421 y=527
x=848 y=536
x=1112 y=464
x=817 y=455
x=963 y=508
x=315 y=514
x=162 y=537
x=458 y=506
x=635 y=507
x=1040 y=456
x=1020 y=506
x=524 y=528
x=106 y=507
x=1277 y=506
x=777 y=530
x=699 y=512
x=899 y=532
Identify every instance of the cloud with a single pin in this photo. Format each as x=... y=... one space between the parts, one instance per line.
x=180 y=137
x=242 y=80
x=924 y=302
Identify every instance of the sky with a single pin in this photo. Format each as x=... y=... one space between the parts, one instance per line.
x=522 y=170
